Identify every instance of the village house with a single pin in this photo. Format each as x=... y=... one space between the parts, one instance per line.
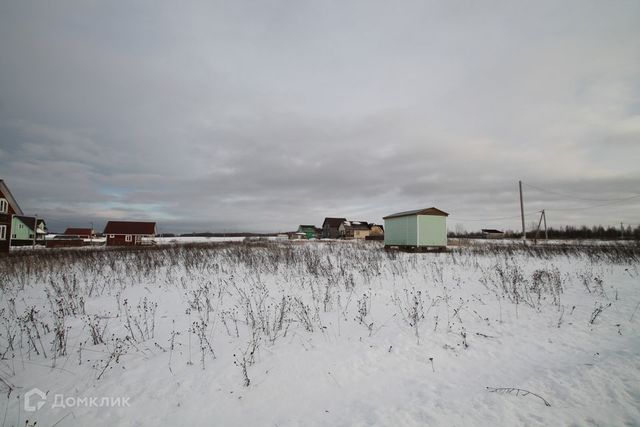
x=8 y=208
x=330 y=227
x=425 y=228
x=25 y=232
x=354 y=229
x=310 y=231
x=376 y=230
x=491 y=233
x=83 y=233
x=129 y=233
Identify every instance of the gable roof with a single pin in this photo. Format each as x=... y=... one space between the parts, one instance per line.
x=78 y=232
x=130 y=227
x=307 y=227
x=333 y=222
x=491 y=231
x=7 y=195
x=427 y=211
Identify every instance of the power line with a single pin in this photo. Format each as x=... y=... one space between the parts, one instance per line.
x=581 y=198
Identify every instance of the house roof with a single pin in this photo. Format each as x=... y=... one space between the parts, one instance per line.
x=491 y=231
x=427 y=211
x=357 y=225
x=130 y=227
x=333 y=222
x=12 y=201
x=78 y=232
x=307 y=227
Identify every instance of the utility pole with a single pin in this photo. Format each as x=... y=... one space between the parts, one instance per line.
x=91 y=235
x=544 y=215
x=524 y=233
x=535 y=237
x=621 y=231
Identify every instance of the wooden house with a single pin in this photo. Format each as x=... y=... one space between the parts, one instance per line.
x=354 y=229
x=421 y=228
x=27 y=230
x=330 y=227
x=8 y=208
x=310 y=231
x=129 y=233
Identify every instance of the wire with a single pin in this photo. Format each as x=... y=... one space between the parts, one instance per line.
x=495 y=218
x=581 y=198
x=593 y=206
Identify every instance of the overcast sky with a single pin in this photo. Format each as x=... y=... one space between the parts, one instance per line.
x=262 y=115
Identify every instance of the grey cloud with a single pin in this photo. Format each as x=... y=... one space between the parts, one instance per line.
x=238 y=116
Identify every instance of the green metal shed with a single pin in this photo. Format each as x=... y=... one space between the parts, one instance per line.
x=426 y=228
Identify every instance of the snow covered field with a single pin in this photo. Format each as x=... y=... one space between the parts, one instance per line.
x=321 y=333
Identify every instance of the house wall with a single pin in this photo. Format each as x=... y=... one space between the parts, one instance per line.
x=120 y=240
x=360 y=234
x=416 y=230
x=433 y=230
x=401 y=231
x=5 y=219
x=20 y=231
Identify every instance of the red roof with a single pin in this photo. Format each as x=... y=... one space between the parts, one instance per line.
x=130 y=227
x=78 y=232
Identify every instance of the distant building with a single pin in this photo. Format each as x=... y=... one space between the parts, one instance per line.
x=310 y=231
x=8 y=208
x=128 y=233
x=24 y=231
x=354 y=229
x=376 y=230
x=83 y=233
x=330 y=227
x=490 y=233
x=417 y=228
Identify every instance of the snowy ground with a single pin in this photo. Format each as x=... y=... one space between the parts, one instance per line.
x=321 y=333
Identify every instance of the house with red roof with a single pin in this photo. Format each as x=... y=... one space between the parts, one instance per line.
x=128 y=233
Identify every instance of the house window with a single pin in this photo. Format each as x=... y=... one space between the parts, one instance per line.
x=4 y=206
x=127 y=238
x=3 y=232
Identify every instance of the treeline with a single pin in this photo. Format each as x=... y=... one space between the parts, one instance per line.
x=566 y=232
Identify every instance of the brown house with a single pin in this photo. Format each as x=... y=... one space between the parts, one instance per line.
x=83 y=233
x=8 y=208
x=128 y=233
x=330 y=227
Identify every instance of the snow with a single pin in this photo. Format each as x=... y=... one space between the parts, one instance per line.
x=346 y=352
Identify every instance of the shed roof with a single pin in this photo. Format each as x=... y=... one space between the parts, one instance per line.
x=426 y=211
x=130 y=227
x=12 y=201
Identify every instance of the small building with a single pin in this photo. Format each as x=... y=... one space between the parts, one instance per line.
x=297 y=236
x=330 y=227
x=310 y=231
x=129 y=233
x=421 y=228
x=8 y=208
x=24 y=231
x=376 y=230
x=83 y=233
x=491 y=233
x=354 y=230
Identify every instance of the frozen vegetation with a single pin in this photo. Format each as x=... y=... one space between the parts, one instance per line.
x=321 y=333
